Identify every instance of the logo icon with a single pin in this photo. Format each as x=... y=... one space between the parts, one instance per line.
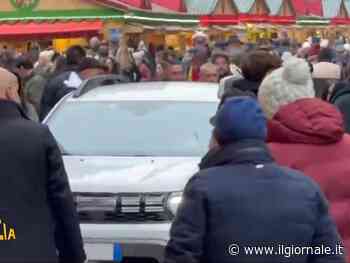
x=25 y=4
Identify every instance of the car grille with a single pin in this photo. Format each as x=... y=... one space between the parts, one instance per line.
x=122 y=208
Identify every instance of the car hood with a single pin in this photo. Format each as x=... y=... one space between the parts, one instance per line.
x=129 y=174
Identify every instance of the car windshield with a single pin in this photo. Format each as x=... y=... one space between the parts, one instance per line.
x=133 y=128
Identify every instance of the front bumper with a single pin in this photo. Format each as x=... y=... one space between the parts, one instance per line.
x=136 y=240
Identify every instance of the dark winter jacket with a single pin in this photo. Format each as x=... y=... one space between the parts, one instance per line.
x=341 y=99
x=35 y=198
x=54 y=90
x=241 y=197
x=34 y=90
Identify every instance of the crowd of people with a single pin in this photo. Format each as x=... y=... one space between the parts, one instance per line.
x=280 y=101
x=240 y=68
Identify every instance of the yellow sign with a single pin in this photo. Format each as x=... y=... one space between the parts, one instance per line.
x=61 y=45
x=6 y=233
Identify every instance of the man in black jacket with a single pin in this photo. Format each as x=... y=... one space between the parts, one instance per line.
x=242 y=207
x=38 y=218
x=340 y=97
x=56 y=88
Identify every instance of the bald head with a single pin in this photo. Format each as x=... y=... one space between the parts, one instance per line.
x=8 y=85
x=7 y=79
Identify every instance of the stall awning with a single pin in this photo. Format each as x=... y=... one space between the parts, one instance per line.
x=34 y=30
x=219 y=20
x=310 y=7
x=246 y=18
x=340 y=21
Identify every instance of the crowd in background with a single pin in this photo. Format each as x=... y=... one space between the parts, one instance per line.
x=46 y=76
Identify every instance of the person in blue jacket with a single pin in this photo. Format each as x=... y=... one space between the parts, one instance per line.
x=242 y=207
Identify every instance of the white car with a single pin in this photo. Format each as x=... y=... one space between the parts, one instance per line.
x=129 y=150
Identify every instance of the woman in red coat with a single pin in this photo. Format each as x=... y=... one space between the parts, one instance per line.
x=307 y=134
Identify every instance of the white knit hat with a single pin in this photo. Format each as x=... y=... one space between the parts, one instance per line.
x=286 y=85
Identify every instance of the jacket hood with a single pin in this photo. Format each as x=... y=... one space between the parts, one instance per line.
x=246 y=85
x=306 y=121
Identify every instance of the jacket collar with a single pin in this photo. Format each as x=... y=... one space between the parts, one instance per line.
x=246 y=151
x=11 y=110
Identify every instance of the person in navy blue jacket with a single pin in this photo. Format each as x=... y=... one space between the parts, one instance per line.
x=242 y=199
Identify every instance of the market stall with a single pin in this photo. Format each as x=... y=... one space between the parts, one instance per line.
x=164 y=22
x=43 y=22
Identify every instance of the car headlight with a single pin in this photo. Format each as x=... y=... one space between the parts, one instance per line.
x=174 y=202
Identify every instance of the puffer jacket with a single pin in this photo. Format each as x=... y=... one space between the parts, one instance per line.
x=242 y=197
x=308 y=135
